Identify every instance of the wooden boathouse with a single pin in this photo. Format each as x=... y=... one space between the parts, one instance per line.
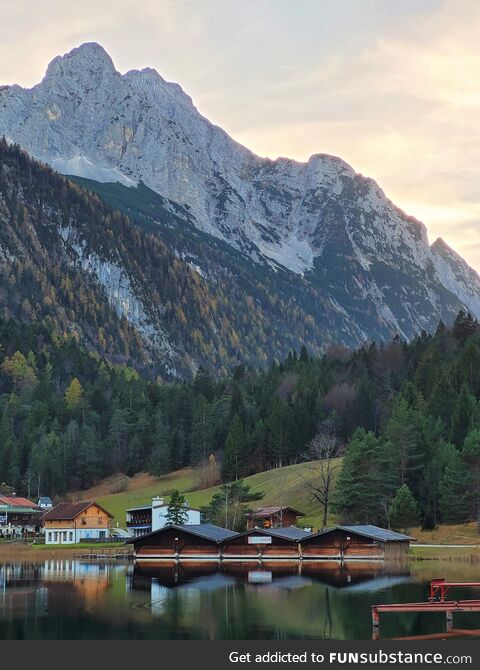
x=194 y=542
x=206 y=542
x=264 y=544
x=362 y=542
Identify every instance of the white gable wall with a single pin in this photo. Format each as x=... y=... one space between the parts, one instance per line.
x=159 y=515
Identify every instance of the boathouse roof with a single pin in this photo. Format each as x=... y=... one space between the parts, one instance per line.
x=206 y=530
x=282 y=532
x=367 y=530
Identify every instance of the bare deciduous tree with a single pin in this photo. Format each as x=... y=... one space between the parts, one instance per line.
x=208 y=473
x=323 y=450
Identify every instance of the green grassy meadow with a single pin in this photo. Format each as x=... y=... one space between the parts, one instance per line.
x=282 y=486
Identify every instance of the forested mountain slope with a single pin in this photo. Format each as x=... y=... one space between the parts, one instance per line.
x=67 y=257
x=400 y=415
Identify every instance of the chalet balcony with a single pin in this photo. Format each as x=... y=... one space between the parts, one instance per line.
x=139 y=521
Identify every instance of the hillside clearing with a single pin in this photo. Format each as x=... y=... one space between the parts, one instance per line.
x=281 y=486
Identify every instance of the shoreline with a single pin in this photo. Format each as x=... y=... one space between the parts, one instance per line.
x=20 y=551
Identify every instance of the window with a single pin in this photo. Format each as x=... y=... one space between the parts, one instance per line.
x=70 y=536
x=100 y=520
x=84 y=521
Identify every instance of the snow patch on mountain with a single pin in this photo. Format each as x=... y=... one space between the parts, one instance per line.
x=294 y=254
x=80 y=166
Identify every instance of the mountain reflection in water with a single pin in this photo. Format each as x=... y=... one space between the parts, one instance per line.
x=68 y=599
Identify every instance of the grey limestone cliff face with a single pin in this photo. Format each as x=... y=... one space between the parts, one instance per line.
x=319 y=220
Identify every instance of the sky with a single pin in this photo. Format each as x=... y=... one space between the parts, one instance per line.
x=390 y=86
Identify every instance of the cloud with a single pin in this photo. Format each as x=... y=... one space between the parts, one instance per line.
x=405 y=112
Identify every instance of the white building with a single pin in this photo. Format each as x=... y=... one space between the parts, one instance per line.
x=160 y=511
x=142 y=520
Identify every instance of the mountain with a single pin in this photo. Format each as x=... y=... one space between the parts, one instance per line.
x=345 y=263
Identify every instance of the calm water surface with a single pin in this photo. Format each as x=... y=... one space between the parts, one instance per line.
x=70 y=599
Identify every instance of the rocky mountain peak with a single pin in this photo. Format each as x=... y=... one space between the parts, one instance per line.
x=148 y=81
x=441 y=247
x=319 y=221
x=89 y=59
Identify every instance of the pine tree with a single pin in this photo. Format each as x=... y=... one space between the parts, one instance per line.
x=69 y=445
x=234 y=451
x=455 y=491
x=464 y=326
x=442 y=398
x=471 y=455
x=363 y=480
x=469 y=367
x=118 y=439
x=159 y=462
x=177 y=512
x=303 y=358
x=202 y=431
x=463 y=411
x=279 y=429
x=404 y=512
x=403 y=435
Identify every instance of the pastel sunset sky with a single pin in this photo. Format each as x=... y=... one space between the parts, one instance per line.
x=391 y=86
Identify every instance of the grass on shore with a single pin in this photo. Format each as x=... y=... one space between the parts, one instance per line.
x=446 y=553
x=79 y=545
x=452 y=534
x=23 y=551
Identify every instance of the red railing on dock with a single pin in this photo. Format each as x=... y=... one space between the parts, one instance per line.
x=440 y=587
x=437 y=603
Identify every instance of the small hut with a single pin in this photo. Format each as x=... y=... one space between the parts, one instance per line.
x=273 y=517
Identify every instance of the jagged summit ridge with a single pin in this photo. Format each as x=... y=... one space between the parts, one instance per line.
x=85 y=114
x=89 y=57
x=319 y=220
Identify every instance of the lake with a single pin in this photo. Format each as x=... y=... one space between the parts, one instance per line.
x=71 y=599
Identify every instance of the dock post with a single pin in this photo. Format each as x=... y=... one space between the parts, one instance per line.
x=375 y=624
x=449 y=621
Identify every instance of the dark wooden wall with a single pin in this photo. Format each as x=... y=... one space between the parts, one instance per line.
x=164 y=543
x=239 y=546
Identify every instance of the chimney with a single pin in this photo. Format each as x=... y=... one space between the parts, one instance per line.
x=157 y=502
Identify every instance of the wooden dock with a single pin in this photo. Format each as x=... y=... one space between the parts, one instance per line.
x=440 y=587
x=114 y=554
x=449 y=607
x=437 y=602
